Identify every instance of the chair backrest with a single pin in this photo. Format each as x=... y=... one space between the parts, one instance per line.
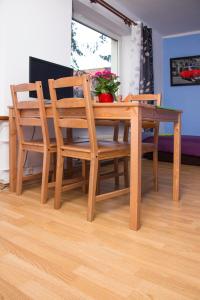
x=153 y=99
x=86 y=120
x=37 y=105
x=145 y=98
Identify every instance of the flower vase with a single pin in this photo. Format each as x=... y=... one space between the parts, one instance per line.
x=106 y=98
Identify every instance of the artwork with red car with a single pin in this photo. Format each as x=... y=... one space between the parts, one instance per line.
x=190 y=73
x=185 y=70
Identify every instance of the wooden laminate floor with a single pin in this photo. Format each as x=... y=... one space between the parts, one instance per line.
x=49 y=254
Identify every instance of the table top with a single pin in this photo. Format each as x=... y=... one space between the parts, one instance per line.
x=4 y=118
x=123 y=104
x=135 y=104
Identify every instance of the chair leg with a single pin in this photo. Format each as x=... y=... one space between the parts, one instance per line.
x=92 y=188
x=126 y=177
x=155 y=158
x=20 y=167
x=59 y=177
x=45 y=176
x=69 y=166
x=98 y=179
x=84 y=175
x=116 y=170
x=54 y=159
x=155 y=170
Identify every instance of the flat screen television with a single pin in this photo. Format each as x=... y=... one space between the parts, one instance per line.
x=42 y=70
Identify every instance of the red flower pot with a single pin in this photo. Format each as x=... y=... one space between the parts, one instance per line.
x=105 y=98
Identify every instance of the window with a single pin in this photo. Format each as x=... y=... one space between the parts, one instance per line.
x=92 y=50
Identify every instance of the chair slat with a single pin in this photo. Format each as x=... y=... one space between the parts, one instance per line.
x=30 y=122
x=24 y=87
x=70 y=103
x=106 y=123
x=27 y=104
x=68 y=82
x=73 y=123
x=144 y=97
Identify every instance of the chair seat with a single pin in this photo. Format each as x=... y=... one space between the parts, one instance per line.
x=40 y=142
x=53 y=144
x=38 y=145
x=103 y=146
x=148 y=147
x=106 y=149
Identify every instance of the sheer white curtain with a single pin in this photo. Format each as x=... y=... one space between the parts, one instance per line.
x=130 y=61
x=135 y=57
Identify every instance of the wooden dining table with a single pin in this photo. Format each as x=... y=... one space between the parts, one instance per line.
x=136 y=113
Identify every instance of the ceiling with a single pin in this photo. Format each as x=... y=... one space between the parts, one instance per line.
x=168 y=17
x=99 y=18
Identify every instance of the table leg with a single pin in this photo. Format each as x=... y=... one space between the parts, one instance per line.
x=177 y=159
x=135 y=168
x=12 y=152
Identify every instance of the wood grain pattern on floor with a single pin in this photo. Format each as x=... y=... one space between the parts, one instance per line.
x=57 y=254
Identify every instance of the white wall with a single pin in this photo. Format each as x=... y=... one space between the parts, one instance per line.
x=40 y=28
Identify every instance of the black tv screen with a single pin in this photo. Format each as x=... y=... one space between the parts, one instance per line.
x=41 y=70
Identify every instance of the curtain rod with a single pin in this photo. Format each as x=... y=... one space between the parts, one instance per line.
x=126 y=20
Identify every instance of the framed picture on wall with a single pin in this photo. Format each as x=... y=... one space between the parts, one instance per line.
x=185 y=70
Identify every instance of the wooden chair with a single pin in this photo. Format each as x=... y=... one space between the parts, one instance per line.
x=147 y=147
x=44 y=146
x=92 y=151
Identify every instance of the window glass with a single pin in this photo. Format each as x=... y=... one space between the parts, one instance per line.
x=92 y=50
